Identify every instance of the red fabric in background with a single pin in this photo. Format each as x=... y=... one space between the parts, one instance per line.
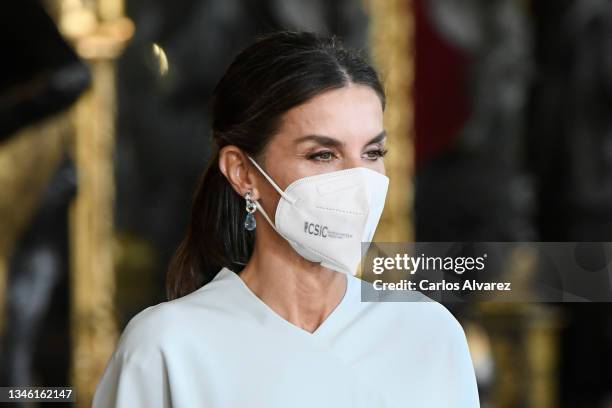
x=440 y=98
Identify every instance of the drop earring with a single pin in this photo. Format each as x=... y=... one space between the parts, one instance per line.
x=249 y=222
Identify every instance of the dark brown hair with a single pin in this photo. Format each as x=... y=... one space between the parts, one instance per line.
x=276 y=73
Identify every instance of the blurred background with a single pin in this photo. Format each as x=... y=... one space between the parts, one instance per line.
x=500 y=131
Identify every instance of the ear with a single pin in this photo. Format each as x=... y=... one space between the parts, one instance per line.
x=235 y=166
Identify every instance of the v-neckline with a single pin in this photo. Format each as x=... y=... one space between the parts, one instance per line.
x=319 y=331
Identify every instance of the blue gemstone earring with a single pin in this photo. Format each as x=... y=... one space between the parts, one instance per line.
x=249 y=222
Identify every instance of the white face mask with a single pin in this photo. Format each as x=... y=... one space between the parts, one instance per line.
x=326 y=217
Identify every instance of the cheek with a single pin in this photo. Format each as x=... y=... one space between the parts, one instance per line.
x=268 y=198
x=283 y=169
x=379 y=166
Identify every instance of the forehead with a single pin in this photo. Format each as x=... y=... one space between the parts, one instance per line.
x=351 y=111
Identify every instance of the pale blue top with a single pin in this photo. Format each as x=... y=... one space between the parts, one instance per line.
x=221 y=346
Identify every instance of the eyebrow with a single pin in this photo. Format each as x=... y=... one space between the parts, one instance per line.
x=331 y=142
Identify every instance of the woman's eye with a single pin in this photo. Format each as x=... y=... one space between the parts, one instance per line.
x=321 y=156
x=376 y=154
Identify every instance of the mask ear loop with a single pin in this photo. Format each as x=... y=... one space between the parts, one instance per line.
x=276 y=187
x=263 y=212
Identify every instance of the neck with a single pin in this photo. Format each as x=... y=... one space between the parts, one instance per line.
x=302 y=292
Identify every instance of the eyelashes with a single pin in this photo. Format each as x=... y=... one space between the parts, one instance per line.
x=324 y=155
x=328 y=155
x=378 y=153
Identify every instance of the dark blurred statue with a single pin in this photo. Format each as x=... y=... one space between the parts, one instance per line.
x=571 y=121
x=570 y=148
x=472 y=186
x=41 y=76
x=36 y=346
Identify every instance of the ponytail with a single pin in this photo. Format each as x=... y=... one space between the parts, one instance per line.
x=215 y=237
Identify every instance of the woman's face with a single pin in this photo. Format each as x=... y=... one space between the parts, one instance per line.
x=338 y=129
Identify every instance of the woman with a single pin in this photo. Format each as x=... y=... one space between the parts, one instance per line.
x=264 y=309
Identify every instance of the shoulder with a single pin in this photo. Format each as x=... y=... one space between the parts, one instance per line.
x=443 y=321
x=168 y=323
x=137 y=372
x=413 y=309
x=150 y=329
x=207 y=312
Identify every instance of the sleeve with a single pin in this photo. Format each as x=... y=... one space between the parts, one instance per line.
x=136 y=375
